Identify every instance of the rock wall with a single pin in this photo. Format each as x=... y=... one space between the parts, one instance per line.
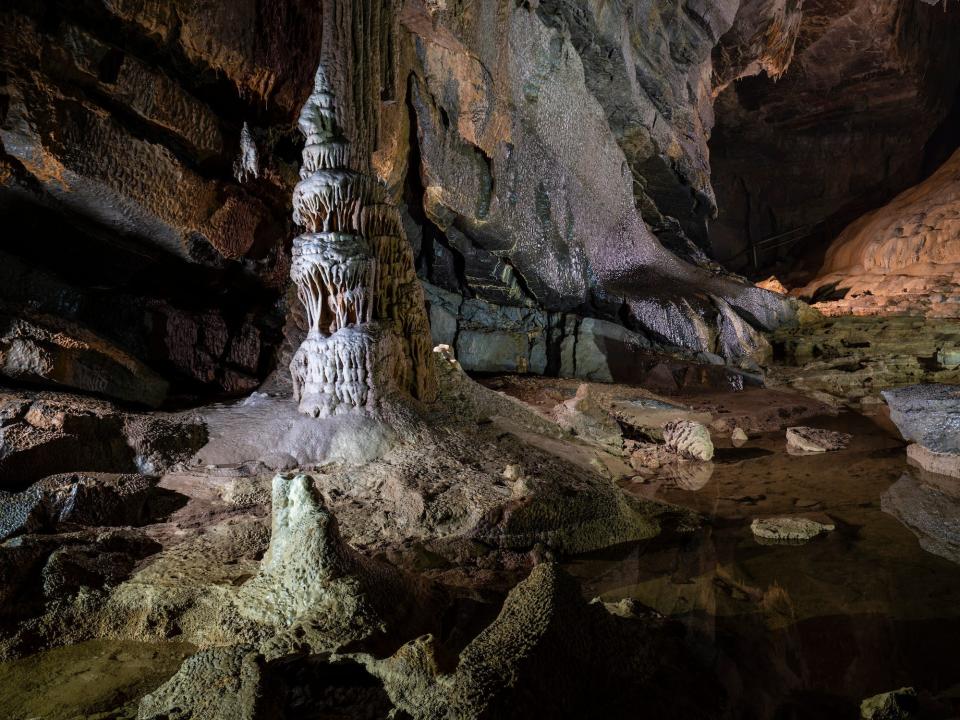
x=549 y=157
x=862 y=112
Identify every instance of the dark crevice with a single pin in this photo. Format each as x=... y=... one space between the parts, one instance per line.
x=413 y=196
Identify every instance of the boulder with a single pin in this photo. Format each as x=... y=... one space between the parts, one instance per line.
x=738 y=437
x=804 y=440
x=927 y=414
x=688 y=439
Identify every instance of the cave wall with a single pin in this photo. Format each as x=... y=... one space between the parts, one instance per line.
x=550 y=158
x=862 y=113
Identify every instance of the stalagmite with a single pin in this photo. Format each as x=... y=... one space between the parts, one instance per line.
x=367 y=331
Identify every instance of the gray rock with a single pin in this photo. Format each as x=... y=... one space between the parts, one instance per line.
x=927 y=414
x=597 y=348
x=894 y=705
x=803 y=440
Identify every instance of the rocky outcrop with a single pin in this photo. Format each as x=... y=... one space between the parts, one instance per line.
x=52 y=354
x=901 y=258
x=928 y=415
x=500 y=178
x=901 y=704
x=74 y=499
x=850 y=360
x=46 y=434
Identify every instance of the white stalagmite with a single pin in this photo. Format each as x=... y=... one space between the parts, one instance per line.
x=367 y=331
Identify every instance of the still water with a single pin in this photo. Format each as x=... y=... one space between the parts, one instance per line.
x=809 y=630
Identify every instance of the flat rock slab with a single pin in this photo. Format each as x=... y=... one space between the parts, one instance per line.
x=928 y=414
x=940 y=463
x=803 y=440
x=790 y=529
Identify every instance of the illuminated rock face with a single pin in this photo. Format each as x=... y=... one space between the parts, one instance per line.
x=367 y=331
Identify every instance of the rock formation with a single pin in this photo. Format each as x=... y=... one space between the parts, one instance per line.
x=367 y=331
x=901 y=258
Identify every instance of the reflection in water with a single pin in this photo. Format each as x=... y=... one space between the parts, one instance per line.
x=808 y=631
x=929 y=505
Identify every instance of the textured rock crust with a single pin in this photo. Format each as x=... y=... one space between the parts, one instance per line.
x=789 y=529
x=688 y=439
x=815 y=440
x=927 y=414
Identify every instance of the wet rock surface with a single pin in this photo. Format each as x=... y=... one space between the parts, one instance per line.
x=789 y=529
x=815 y=440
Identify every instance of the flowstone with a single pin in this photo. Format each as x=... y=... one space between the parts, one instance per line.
x=367 y=331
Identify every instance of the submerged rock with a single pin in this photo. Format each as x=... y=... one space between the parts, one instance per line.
x=738 y=437
x=789 y=529
x=688 y=439
x=804 y=440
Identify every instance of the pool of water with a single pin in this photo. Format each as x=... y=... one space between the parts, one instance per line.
x=807 y=631
x=96 y=679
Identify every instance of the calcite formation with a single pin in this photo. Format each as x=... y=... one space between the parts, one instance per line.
x=688 y=439
x=367 y=331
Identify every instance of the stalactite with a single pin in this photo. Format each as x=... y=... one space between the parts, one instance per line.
x=368 y=335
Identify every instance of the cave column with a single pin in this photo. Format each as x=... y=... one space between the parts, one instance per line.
x=368 y=338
